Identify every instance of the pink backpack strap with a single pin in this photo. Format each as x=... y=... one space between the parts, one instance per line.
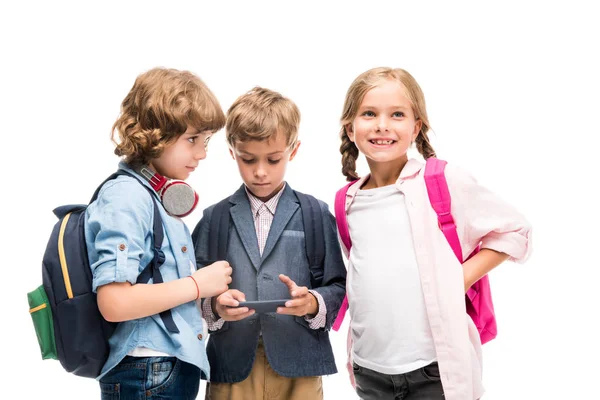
x=439 y=196
x=479 y=297
x=342 y=224
x=340 y=215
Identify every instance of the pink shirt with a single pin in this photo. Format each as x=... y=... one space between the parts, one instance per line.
x=481 y=217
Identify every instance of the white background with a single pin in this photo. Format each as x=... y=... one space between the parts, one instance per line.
x=512 y=93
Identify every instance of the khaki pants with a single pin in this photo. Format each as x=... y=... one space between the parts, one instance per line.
x=265 y=384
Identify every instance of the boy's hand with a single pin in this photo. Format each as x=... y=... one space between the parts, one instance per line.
x=214 y=279
x=231 y=298
x=302 y=303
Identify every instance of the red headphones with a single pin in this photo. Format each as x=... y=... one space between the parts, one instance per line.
x=177 y=197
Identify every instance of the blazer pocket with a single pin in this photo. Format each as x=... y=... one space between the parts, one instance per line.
x=293 y=233
x=224 y=328
x=302 y=321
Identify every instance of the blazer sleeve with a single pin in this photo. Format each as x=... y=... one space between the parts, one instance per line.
x=200 y=238
x=483 y=218
x=333 y=288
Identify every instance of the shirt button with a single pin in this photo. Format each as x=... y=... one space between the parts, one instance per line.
x=122 y=247
x=184 y=249
x=199 y=336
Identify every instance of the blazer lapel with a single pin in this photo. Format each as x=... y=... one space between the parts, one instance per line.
x=241 y=214
x=286 y=207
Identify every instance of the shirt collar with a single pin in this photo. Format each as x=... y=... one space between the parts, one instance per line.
x=126 y=167
x=410 y=170
x=271 y=204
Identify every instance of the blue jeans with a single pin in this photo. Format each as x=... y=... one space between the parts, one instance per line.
x=136 y=378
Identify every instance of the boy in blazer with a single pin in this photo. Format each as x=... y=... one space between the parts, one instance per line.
x=278 y=355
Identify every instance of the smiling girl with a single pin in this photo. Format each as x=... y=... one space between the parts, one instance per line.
x=410 y=333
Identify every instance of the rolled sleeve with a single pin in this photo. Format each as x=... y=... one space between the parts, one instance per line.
x=486 y=220
x=516 y=244
x=118 y=224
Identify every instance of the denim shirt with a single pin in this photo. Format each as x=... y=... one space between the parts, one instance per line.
x=118 y=232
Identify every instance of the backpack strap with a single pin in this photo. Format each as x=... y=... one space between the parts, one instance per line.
x=340 y=215
x=342 y=224
x=439 y=196
x=110 y=178
x=314 y=239
x=152 y=270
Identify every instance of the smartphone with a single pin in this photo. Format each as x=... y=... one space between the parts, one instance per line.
x=264 y=306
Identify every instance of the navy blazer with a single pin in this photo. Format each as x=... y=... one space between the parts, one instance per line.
x=292 y=348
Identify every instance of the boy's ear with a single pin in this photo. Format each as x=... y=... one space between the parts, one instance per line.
x=231 y=152
x=349 y=132
x=295 y=150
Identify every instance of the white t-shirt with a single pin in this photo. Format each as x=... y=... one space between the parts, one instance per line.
x=390 y=329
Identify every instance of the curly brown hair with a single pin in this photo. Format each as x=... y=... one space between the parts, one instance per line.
x=355 y=95
x=158 y=109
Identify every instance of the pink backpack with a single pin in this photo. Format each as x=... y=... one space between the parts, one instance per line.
x=479 y=297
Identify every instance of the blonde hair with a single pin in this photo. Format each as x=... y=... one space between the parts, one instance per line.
x=354 y=97
x=261 y=114
x=159 y=108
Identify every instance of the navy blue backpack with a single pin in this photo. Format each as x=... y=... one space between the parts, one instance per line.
x=65 y=314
